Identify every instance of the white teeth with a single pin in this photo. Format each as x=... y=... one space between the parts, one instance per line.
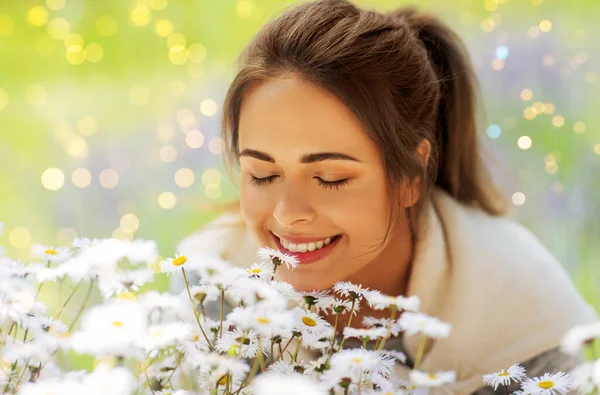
x=303 y=247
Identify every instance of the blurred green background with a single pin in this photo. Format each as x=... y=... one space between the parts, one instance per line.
x=109 y=116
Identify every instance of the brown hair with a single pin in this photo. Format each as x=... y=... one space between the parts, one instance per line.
x=405 y=75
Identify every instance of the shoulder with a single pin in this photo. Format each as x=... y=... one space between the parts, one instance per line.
x=226 y=236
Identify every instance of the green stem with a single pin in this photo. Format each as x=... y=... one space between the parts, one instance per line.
x=284 y=348
x=349 y=322
x=68 y=300
x=187 y=286
x=222 y=309
x=297 y=349
x=263 y=367
x=420 y=351
x=392 y=318
x=85 y=300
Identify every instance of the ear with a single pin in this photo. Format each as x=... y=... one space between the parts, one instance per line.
x=412 y=188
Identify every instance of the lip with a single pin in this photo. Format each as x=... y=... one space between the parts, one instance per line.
x=308 y=256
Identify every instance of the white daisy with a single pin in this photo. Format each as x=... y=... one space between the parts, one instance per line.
x=381 y=302
x=582 y=377
x=365 y=333
x=596 y=373
x=576 y=337
x=83 y=243
x=548 y=384
x=312 y=298
x=276 y=257
x=141 y=251
x=172 y=265
x=264 y=321
x=421 y=323
x=161 y=336
x=424 y=379
x=372 y=322
x=260 y=270
x=514 y=373
x=50 y=254
x=348 y=289
x=309 y=323
x=238 y=343
x=124 y=280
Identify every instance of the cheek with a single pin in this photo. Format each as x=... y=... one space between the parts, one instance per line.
x=256 y=208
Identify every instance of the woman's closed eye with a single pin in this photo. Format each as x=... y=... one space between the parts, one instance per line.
x=325 y=184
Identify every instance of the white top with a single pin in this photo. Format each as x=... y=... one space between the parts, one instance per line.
x=507 y=298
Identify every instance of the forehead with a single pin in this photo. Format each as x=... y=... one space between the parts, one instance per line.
x=290 y=116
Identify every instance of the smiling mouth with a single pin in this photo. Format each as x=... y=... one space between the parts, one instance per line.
x=308 y=252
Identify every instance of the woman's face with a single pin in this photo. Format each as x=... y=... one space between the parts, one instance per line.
x=310 y=175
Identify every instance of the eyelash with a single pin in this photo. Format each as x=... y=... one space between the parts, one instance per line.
x=325 y=184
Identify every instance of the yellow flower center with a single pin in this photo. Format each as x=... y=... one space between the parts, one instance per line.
x=504 y=374
x=357 y=360
x=263 y=320
x=179 y=261
x=309 y=321
x=117 y=324
x=432 y=376
x=546 y=384
x=196 y=337
x=127 y=296
x=222 y=380
x=51 y=252
x=256 y=271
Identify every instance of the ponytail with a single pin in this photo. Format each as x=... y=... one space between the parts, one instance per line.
x=458 y=168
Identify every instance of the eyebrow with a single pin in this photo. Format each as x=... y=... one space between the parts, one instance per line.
x=306 y=158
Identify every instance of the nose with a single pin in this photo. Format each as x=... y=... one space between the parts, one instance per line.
x=293 y=207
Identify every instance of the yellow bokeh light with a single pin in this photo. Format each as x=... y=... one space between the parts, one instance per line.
x=139 y=95
x=178 y=57
x=186 y=119
x=58 y=28
x=164 y=27
x=590 y=77
x=551 y=167
x=126 y=207
x=168 y=153
x=597 y=149
x=63 y=132
x=106 y=25
x=184 y=178
x=526 y=94
x=158 y=4
x=197 y=52
x=167 y=200
x=19 y=237
x=165 y=131
x=77 y=148
x=487 y=25
x=176 y=42
x=579 y=127
x=122 y=234
x=518 y=198
x=73 y=42
x=3 y=99
x=244 y=8
x=7 y=26
x=37 y=16
x=53 y=179
x=211 y=178
x=75 y=57
x=216 y=145
x=65 y=236
x=194 y=139
x=537 y=2
x=130 y=223
x=208 y=107
x=140 y=16
x=538 y=107
x=94 y=52
x=497 y=64
x=529 y=113
x=213 y=192
x=490 y=5
x=548 y=60
x=558 y=121
x=549 y=108
x=36 y=95
x=545 y=26
x=55 y=4
x=524 y=142
x=109 y=178
x=533 y=32
x=81 y=178
x=87 y=125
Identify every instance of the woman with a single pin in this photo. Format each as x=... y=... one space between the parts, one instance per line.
x=355 y=135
